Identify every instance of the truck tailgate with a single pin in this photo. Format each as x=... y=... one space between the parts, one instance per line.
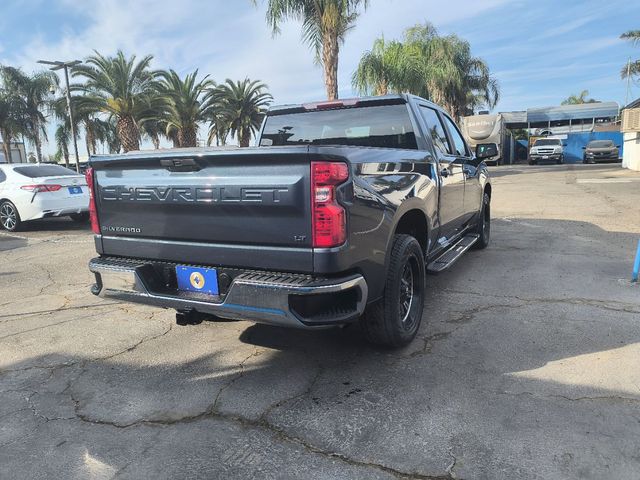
x=245 y=208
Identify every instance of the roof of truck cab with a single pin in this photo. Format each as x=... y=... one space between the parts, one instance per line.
x=340 y=103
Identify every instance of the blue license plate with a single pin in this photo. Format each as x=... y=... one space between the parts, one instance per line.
x=195 y=279
x=75 y=190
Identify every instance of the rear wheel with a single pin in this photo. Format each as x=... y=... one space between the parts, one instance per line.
x=483 y=229
x=9 y=216
x=80 y=217
x=395 y=320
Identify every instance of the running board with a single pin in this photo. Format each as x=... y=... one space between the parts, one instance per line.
x=450 y=257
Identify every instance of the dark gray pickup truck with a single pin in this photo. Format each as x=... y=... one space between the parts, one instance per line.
x=335 y=217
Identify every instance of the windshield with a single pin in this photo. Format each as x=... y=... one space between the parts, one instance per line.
x=35 y=171
x=546 y=142
x=387 y=126
x=600 y=144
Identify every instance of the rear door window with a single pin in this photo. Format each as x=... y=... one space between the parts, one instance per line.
x=435 y=130
x=35 y=171
x=458 y=142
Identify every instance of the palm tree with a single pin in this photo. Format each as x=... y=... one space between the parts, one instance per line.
x=578 y=99
x=388 y=66
x=218 y=127
x=325 y=24
x=11 y=120
x=242 y=106
x=186 y=104
x=427 y=64
x=633 y=68
x=153 y=129
x=36 y=91
x=453 y=77
x=63 y=137
x=13 y=113
x=120 y=87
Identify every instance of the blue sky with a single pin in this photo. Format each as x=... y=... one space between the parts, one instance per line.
x=540 y=52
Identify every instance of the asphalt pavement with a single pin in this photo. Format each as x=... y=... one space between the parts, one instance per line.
x=526 y=365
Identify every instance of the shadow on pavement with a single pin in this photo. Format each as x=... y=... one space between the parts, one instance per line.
x=506 y=380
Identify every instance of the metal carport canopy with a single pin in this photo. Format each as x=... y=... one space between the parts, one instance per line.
x=582 y=111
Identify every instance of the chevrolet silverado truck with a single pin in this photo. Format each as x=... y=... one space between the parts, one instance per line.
x=334 y=217
x=547 y=150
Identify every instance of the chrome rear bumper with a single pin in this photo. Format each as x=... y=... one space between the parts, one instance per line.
x=256 y=296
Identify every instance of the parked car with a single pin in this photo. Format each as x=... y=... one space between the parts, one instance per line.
x=547 y=150
x=335 y=217
x=601 y=151
x=30 y=192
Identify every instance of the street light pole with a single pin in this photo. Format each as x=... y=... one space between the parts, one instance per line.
x=66 y=65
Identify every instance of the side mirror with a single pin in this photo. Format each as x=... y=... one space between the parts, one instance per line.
x=486 y=150
x=617 y=146
x=584 y=148
x=564 y=144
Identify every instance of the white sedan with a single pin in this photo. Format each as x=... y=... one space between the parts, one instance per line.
x=29 y=192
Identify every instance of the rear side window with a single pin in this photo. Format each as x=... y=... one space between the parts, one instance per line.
x=34 y=171
x=385 y=126
x=3 y=177
x=458 y=142
x=435 y=129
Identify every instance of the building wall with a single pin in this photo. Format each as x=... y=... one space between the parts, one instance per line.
x=631 y=156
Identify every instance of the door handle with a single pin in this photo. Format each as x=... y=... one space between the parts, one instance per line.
x=180 y=164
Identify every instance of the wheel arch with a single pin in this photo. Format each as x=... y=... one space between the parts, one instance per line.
x=487 y=189
x=413 y=222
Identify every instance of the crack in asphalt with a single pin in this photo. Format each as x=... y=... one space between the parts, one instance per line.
x=238 y=376
x=265 y=414
x=603 y=304
x=278 y=432
x=616 y=398
x=85 y=362
x=452 y=465
x=64 y=307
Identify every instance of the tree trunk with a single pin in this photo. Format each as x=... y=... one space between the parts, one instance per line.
x=382 y=88
x=65 y=154
x=245 y=138
x=155 y=139
x=90 y=138
x=38 y=142
x=187 y=137
x=128 y=134
x=6 y=146
x=330 y=52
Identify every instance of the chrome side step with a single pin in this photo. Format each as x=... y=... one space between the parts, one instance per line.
x=450 y=257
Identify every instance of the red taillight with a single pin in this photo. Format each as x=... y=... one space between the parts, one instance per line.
x=41 y=188
x=329 y=217
x=93 y=213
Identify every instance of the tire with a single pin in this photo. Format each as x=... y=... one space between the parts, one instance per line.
x=532 y=162
x=9 y=217
x=395 y=320
x=80 y=217
x=483 y=228
x=560 y=160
